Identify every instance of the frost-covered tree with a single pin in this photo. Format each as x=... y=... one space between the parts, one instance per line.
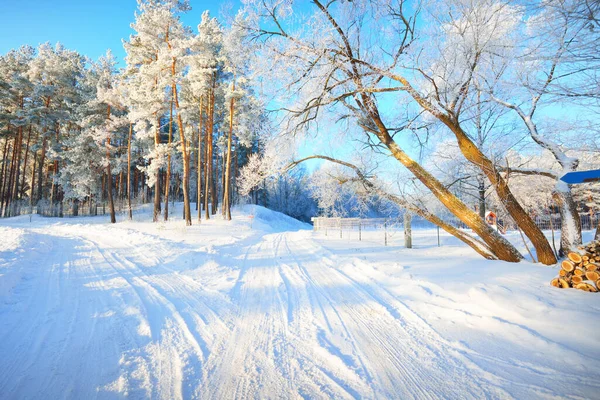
x=335 y=58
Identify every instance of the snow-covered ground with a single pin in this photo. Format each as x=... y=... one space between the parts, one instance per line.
x=219 y=310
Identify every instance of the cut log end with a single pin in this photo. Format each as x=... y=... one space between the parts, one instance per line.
x=576 y=280
x=586 y=287
x=563 y=283
x=592 y=276
x=575 y=257
x=562 y=273
x=567 y=265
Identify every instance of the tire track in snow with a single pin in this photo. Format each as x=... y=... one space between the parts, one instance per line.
x=175 y=344
x=401 y=363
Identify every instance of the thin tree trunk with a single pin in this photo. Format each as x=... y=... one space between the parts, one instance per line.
x=157 y=183
x=32 y=182
x=8 y=184
x=111 y=203
x=129 y=171
x=41 y=170
x=168 y=178
x=214 y=194
x=4 y=168
x=53 y=188
x=22 y=194
x=14 y=174
x=481 y=195
x=234 y=190
x=199 y=167
x=15 y=183
x=5 y=171
x=223 y=161
x=209 y=154
x=186 y=157
x=226 y=194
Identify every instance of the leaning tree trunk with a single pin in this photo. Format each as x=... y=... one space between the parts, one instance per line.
x=476 y=244
x=473 y=154
x=501 y=247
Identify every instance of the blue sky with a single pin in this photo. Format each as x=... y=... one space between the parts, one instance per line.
x=88 y=26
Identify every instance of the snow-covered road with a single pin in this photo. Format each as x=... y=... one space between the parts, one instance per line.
x=94 y=311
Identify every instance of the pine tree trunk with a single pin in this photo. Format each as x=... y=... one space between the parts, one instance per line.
x=41 y=170
x=129 y=171
x=22 y=194
x=5 y=172
x=15 y=183
x=234 y=191
x=168 y=178
x=111 y=203
x=209 y=155
x=8 y=180
x=32 y=182
x=53 y=188
x=226 y=194
x=186 y=157
x=157 y=183
x=199 y=167
x=11 y=178
x=223 y=161
x=213 y=194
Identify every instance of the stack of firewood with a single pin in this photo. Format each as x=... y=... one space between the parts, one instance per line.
x=581 y=270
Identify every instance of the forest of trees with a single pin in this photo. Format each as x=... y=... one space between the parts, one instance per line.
x=161 y=127
x=442 y=108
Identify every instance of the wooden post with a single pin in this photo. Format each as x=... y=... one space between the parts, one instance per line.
x=438 y=234
x=385 y=232
x=359 y=231
x=407 y=230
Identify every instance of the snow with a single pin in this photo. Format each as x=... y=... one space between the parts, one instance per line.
x=226 y=310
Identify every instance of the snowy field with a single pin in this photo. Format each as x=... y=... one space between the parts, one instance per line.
x=219 y=311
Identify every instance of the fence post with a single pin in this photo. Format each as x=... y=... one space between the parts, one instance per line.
x=438 y=233
x=385 y=232
x=407 y=231
x=359 y=231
